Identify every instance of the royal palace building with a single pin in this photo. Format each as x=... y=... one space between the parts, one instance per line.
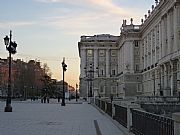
x=143 y=60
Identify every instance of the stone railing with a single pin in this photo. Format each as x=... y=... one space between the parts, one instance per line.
x=137 y=121
x=157 y=99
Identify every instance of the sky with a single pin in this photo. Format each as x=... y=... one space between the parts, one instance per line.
x=48 y=30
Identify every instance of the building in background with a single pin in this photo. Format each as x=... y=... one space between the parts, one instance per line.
x=99 y=65
x=59 y=89
x=143 y=60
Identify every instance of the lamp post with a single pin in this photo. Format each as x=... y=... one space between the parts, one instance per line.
x=64 y=66
x=11 y=48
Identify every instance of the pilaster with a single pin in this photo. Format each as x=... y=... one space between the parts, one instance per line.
x=155 y=45
x=175 y=27
x=144 y=53
x=95 y=62
x=83 y=63
x=168 y=33
x=160 y=41
x=165 y=79
x=151 y=47
x=163 y=37
x=107 y=62
x=174 y=77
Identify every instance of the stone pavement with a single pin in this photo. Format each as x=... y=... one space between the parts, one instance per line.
x=34 y=118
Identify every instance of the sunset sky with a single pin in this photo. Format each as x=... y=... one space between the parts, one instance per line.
x=48 y=30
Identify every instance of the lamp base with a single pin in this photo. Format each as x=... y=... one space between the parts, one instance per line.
x=8 y=109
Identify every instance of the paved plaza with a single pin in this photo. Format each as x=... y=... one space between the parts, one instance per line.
x=35 y=118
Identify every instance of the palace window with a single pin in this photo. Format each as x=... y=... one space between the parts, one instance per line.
x=102 y=89
x=136 y=43
x=101 y=52
x=137 y=67
x=113 y=72
x=89 y=52
x=113 y=53
x=139 y=88
x=113 y=89
x=102 y=72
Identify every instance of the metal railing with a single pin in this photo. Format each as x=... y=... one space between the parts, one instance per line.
x=121 y=115
x=97 y=102
x=144 y=123
x=109 y=108
x=102 y=105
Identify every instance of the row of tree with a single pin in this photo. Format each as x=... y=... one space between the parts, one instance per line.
x=29 y=79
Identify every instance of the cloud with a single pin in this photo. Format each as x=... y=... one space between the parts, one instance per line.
x=89 y=22
x=88 y=13
x=15 y=24
x=102 y=5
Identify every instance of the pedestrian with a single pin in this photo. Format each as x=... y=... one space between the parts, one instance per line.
x=47 y=99
x=41 y=99
x=44 y=99
x=58 y=99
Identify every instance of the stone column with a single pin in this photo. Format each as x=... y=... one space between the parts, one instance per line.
x=160 y=41
x=171 y=77
x=168 y=32
x=144 y=52
x=163 y=37
x=95 y=63
x=155 y=45
x=165 y=79
x=83 y=63
x=151 y=48
x=118 y=59
x=176 y=16
x=162 y=78
x=148 y=50
x=107 y=63
x=176 y=118
x=174 y=77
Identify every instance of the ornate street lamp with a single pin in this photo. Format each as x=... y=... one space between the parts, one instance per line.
x=64 y=66
x=11 y=48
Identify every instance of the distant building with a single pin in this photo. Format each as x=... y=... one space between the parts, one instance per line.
x=143 y=60
x=99 y=64
x=59 y=88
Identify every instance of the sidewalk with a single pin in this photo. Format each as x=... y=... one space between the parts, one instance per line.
x=34 y=118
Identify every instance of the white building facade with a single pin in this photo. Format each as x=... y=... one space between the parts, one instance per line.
x=143 y=60
x=99 y=64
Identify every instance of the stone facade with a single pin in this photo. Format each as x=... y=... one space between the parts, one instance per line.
x=99 y=64
x=143 y=60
